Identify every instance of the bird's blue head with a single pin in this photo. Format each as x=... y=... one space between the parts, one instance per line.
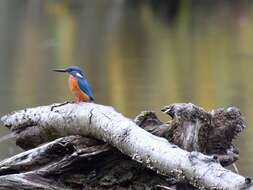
x=74 y=71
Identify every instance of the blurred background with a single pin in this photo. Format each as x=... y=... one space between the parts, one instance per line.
x=137 y=55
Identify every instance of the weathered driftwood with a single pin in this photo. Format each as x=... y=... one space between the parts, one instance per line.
x=194 y=129
x=191 y=128
x=78 y=163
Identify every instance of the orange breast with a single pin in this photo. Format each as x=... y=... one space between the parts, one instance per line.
x=74 y=88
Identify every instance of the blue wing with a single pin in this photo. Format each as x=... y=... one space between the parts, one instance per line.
x=85 y=87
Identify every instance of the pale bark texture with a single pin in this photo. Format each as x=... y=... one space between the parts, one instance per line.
x=191 y=128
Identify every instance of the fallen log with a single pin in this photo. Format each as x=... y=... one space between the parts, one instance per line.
x=190 y=129
x=75 y=162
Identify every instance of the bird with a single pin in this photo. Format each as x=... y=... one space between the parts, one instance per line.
x=77 y=83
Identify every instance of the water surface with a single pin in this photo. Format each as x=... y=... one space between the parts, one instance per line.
x=137 y=55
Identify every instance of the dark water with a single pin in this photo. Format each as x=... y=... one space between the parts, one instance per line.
x=137 y=55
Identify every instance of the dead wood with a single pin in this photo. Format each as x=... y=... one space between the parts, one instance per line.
x=77 y=162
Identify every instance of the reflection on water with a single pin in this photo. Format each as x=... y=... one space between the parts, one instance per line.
x=137 y=55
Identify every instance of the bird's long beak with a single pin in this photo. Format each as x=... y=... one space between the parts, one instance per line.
x=60 y=70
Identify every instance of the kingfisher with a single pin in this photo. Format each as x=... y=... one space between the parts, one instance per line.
x=78 y=85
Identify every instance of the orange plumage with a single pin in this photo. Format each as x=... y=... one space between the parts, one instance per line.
x=78 y=93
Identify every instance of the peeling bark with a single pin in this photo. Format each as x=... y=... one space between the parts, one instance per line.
x=188 y=129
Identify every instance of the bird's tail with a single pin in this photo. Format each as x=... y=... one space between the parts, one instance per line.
x=91 y=99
